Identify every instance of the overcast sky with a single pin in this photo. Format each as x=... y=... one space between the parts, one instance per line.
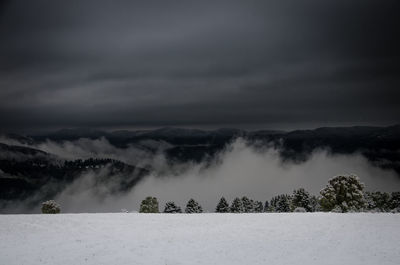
x=204 y=64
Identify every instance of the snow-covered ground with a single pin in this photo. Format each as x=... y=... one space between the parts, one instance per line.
x=131 y=238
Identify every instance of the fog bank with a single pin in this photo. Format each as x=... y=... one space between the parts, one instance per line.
x=239 y=170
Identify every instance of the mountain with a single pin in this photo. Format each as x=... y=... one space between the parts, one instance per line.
x=22 y=153
x=16 y=138
x=379 y=144
x=26 y=171
x=72 y=134
x=342 y=139
x=31 y=173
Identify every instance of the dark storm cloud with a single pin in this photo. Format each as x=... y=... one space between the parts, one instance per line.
x=183 y=63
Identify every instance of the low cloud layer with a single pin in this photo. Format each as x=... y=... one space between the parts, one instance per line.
x=146 y=152
x=240 y=170
x=141 y=154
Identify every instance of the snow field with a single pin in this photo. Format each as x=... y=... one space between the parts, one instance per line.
x=266 y=238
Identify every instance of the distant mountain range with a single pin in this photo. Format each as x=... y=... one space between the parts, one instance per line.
x=379 y=144
x=25 y=170
x=177 y=134
x=28 y=173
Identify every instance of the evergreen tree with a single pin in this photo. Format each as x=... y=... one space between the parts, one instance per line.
x=223 y=206
x=267 y=207
x=149 y=205
x=248 y=205
x=301 y=198
x=315 y=207
x=171 y=207
x=193 y=207
x=280 y=203
x=258 y=207
x=394 y=202
x=273 y=203
x=377 y=200
x=345 y=192
x=283 y=204
x=50 y=207
x=237 y=206
x=337 y=209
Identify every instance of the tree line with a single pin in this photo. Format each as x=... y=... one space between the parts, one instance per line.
x=344 y=193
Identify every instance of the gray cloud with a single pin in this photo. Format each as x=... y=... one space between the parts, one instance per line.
x=153 y=63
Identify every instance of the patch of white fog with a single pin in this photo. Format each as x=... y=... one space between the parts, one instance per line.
x=141 y=154
x=239 y=170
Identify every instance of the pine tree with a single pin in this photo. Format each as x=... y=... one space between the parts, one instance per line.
x=301 y=198
x=50 y=207
x=280 y=203
x=283 y=204
x=345 y=192
x=394 y=202
x=379 y=201
x=223 y=206
x=258 y=207
x=237 y=206
x=248 y=205
x=149 y=205
x=273 y=203
x=171 y=207
x=193 y=207
x=267 y=207
x=315 y=207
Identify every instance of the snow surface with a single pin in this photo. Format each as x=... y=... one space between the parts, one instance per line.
x=268 y=238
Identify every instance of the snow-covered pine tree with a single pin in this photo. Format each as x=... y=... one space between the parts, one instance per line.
x=51 y=207
x=171 y=207
x=149 y=205
x=193 y=207
x=273 y=203
x=378 y=201
x=394 y=202
x=248 y=205
x=283 y=204
x=337 y=209
x=301 y=198
x=223 y=206
x=237 y=206
x=258 y=207
x=345 y=192
x=267 y=207
x=315 y=207
x=280 y=203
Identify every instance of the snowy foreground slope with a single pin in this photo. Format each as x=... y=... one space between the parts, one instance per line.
x=131 y=238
